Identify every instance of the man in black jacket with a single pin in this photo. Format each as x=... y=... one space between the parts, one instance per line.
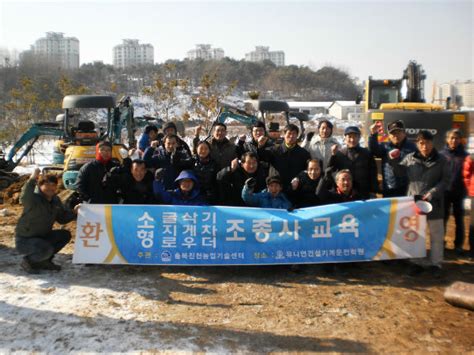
x=359 y=161
x=133 y=183
x=455 y=192
x=232 y=179
x=90 y=182
x=288 y=158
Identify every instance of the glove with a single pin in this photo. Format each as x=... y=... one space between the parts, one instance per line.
x=251 y=183
x=159 y=174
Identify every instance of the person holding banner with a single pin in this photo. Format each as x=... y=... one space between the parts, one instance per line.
x=271 y=197
x=428 y=177
x=34 y=234
x=187 y=193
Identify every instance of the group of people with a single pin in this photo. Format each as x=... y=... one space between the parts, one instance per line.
x=277 y=172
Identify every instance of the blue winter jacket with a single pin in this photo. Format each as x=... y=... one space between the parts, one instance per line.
x=176 y=197
x=144 y=142
x=264 y=199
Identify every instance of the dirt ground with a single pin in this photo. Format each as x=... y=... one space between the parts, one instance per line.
x=364 y=307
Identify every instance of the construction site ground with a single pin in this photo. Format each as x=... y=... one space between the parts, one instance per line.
x=363 y=307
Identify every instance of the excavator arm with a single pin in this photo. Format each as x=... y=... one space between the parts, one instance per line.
x=25 y=143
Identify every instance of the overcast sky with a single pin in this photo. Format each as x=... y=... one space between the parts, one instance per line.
x=375 y=38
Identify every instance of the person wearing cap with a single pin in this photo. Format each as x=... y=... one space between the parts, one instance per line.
x=455 y=193
x=169 y=128
x=337 y=190
x=398 y=143
x=186 y=193
x=271 y=197
x=223 y=151
x=92 y=177
x=232 y=178
x=288 y=158
x=358 y=160
x=149 y=135
x=319 y=146
x=274 y=133
x=428 y=176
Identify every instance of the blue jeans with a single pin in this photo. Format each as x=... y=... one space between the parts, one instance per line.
x=40 y=248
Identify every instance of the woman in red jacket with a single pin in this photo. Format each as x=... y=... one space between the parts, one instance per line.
x=468 y=175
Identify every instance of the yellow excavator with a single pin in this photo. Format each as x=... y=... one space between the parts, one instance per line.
x=388 y=100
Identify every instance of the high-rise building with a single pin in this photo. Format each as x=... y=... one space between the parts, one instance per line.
x=58 y=49
x=204 y=51
x=462 y=91
x=262 y=53
x=131 y=53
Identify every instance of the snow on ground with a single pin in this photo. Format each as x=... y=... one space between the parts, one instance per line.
x=80 y=309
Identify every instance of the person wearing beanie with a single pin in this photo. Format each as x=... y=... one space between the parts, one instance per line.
x=91 y=180
x=271 y=197
x=319 y=145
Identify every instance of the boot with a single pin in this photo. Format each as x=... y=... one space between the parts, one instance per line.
x=49 y=265
x=29 y=267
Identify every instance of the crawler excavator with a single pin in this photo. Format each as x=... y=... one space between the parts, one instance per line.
x=385 y=103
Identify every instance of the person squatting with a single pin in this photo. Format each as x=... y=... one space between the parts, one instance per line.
x=277 y=172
